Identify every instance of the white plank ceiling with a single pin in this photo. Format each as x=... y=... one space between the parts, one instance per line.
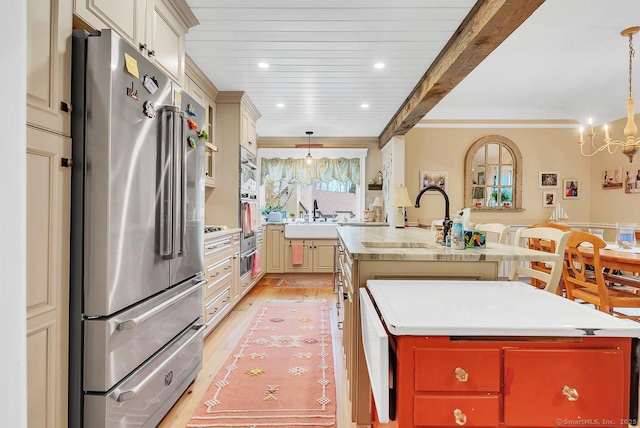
x=566 y=61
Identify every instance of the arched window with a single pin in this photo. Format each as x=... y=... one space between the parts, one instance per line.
x=493 y=175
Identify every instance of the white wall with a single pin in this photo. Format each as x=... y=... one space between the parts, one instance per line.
x=13 y=395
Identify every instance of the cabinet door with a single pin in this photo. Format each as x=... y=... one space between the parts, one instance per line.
x=275 y=249
x=126 y=17
x=307 y=263
x=323 y=256
x=48 y=196
x=246 y=126
x=539 y=384
x=165 y=39
x=210 y=165
x=49 y=64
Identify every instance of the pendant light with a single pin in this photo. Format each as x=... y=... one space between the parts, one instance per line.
x=309 y=158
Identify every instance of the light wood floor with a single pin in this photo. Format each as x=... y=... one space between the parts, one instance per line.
x=219 y=344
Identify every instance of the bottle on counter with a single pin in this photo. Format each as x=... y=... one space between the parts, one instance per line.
x=457 y=235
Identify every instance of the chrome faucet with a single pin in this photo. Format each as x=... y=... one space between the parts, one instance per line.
x=315 y=208
x=446 y=223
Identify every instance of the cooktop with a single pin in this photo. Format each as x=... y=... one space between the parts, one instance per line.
x=209 y=229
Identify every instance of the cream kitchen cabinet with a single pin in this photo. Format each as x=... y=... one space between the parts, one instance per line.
x=223 y=203
x=48 y=205
x=248 y=133
x=204 y=93
x=49 y=65
x=317 y=256
x=156 y=27
x=274 y=249
x=221 y=270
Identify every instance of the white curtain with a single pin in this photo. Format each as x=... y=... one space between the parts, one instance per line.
x=323 y=169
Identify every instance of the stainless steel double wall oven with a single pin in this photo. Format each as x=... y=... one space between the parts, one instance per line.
x=248 y=203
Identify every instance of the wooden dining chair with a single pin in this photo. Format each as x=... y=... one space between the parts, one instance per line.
x=535 y=244
x=590 y=286
x=500 y=229
x=544 y=237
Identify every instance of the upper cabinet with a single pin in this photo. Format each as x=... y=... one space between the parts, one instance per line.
x=204 y=93
x=156 y=27
x=49 y=65
x=237 y=119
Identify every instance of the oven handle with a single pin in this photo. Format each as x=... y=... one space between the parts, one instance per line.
x=249 y=164
x=131 y=323
x=131 y=393
x=244 y=256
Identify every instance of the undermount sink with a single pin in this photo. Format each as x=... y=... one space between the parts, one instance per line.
x=399 y=244
x=310 y=231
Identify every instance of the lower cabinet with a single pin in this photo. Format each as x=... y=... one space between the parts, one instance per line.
x=47 y=293
x=274 y=254
x=510 y=382
x=221 y=270
x=317 y=256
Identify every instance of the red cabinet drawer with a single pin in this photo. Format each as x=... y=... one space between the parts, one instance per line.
x=457 y=370
x=534 y=382
x=456 y=410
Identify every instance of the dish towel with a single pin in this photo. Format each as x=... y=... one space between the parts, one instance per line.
x=248 y=220
x=255 y=270
x=255 y=217
x=297 y=253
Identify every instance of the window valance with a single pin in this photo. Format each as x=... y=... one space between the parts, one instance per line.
x=323 y=169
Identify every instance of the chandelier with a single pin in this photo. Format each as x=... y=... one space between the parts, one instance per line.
x=631 y=145
x=308 y=157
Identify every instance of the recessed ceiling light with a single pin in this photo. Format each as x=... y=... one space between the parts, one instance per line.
x=280 y=105
x=263 y=65
x=364 y=105
x=378 y=65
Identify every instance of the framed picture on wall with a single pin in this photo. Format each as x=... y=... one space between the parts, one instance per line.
x=612 y=178
x=632 y=181
x=570 y=188
x=548 y=180
x=549 y=199
x=433 y=178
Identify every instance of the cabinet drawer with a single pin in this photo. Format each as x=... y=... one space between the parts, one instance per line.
x=535 y=379
x=215 y=307
x=456 y=410
x=217 y=246
x=217 y=274
x=457 y=370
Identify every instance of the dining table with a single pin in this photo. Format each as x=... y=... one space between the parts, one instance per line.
x=614 y=258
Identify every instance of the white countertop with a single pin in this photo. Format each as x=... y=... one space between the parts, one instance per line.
x=488 y=308
x=413 y=243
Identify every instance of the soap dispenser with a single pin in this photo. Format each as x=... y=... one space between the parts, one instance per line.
x=457 y=234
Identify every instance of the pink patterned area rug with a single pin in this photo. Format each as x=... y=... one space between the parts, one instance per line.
x=305 y=283
x=280 y=374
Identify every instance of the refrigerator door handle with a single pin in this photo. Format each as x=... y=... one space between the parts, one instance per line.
x=131 y=393
x=177 y=188
x=131 y=323
x=182 y=146
x=166 y=178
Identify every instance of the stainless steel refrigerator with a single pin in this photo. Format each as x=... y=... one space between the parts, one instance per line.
x=136 y=237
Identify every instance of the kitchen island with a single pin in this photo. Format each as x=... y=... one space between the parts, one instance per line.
x=495 y=354
x=410 y=253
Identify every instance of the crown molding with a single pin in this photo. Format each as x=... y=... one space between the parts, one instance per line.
x=183 y=12
x=196 y=74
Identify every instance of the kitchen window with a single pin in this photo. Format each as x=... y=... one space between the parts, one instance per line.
x=333 y=180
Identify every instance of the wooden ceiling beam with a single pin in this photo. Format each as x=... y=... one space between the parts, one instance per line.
x=487 y=25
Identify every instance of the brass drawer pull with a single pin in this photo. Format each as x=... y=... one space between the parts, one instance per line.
x=570 y=393
x=461 y=374
x=461 y=418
